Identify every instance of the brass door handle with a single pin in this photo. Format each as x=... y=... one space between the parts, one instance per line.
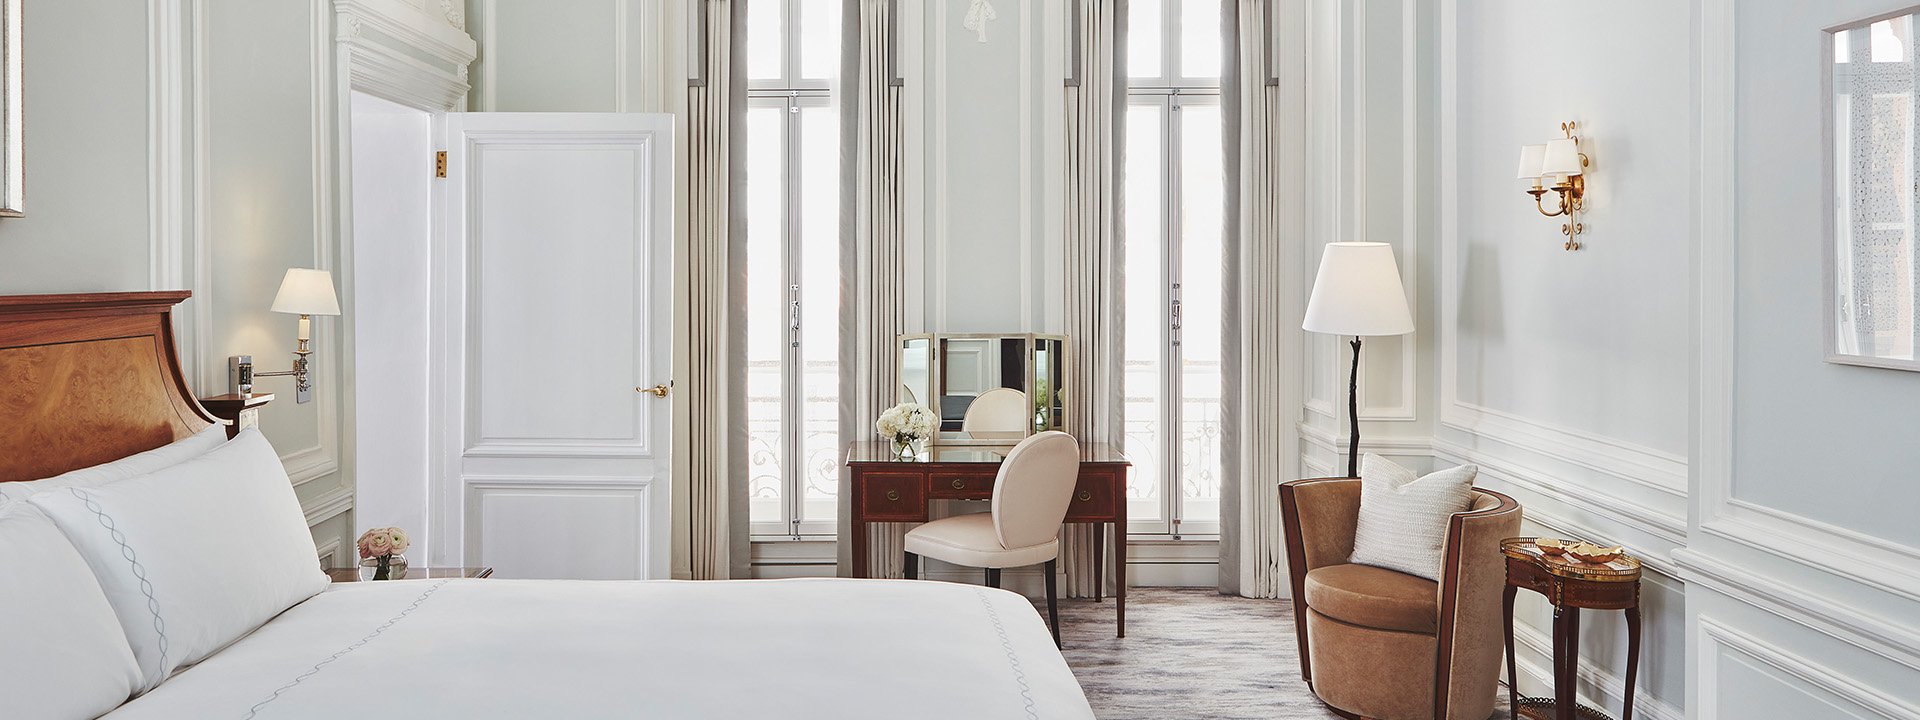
x=658 y=391
x=959 y=484
x=893 y=494
x=1086 y=495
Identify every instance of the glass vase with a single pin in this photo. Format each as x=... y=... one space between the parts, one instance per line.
x=386 y=567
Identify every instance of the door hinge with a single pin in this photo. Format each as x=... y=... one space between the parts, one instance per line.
x=440 y=163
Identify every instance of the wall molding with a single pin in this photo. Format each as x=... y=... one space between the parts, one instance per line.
x=1715 y=639
x=1664 y=525
x=329 y=505
x=1834 y=618
x=374 y=36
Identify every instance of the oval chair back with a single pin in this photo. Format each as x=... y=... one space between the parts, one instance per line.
x=1035 y=486
x=998 y=410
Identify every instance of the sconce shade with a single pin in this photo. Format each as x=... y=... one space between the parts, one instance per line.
x=1358 y=292
x=1563 y=158
x=1532 y=158
x=305 y=291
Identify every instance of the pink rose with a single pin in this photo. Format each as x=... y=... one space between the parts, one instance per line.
x=399 y=540
x=375 y=544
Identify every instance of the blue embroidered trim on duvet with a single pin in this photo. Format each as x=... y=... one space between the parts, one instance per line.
x=1013 y=659
x=315 y=670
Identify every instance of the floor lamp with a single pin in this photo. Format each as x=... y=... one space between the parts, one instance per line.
x=1357 y=293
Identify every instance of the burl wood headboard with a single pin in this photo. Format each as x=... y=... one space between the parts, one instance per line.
x=89 y=378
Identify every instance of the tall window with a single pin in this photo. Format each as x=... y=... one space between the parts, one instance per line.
x=793 y=265
x=1174 y=167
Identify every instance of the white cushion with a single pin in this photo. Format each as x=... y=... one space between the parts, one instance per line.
x=187 y=448
x=971 y=541
x=1403 y=519
x=196 y=555
x=62 y=653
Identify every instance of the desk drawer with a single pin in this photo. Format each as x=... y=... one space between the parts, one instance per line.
x=894 y=497
x=962 y=484
x=1093 y=498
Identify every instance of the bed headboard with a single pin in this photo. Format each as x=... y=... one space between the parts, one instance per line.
x=89 y=378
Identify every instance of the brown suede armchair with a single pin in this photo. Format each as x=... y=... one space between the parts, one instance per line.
x=1383 y=645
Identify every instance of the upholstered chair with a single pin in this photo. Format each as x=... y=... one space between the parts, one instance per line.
x=1030 y=498
x=998 y=410
x=1385 y=645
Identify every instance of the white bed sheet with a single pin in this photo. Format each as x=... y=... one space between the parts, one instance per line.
x=557 y=649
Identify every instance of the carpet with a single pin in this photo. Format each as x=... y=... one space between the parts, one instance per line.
x=1190 y=653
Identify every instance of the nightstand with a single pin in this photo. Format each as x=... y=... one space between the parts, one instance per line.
x=352 y=574
x=238 y=411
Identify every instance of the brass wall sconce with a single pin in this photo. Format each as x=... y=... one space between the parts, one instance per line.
x=1561 y=160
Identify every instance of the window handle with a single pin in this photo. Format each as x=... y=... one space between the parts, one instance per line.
x=793 y=322
x=1175 y=325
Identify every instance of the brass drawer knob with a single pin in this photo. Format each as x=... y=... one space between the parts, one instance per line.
x=1086 y=495
x=893 y=494
x=959 y=484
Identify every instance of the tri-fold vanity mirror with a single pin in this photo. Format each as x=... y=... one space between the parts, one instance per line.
x=988 y=388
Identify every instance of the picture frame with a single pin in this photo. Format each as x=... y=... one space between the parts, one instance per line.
x=12 y=125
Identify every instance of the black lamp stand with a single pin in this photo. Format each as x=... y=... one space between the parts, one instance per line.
x=1353 y=412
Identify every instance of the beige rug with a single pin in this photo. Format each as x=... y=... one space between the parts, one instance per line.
x=1189 y=653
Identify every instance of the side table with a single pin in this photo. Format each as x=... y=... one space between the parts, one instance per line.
x=1571 y=586
x=352 y=574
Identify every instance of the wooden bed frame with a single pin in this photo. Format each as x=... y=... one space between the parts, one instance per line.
x=89 y=378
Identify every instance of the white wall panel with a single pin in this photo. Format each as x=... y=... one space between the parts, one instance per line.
x=511 y=528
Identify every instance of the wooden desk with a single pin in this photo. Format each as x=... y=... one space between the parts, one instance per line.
x=888 y=489
x=1569 y=585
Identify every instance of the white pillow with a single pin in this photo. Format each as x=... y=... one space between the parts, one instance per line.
x=62 y=653
x=197 y=555
x=1403 y=520
x=174 y=453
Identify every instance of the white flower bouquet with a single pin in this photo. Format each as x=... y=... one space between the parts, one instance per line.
x=907 y=425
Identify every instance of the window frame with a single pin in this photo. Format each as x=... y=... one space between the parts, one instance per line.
x=794 y=95
x=1170 y=92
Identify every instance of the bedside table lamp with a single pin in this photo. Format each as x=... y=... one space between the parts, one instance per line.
x=304 y=292
x=1357 y=292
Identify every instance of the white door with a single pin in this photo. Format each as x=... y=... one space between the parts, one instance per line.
x=553 y=318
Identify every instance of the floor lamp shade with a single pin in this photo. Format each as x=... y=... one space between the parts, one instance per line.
x=1358 y=292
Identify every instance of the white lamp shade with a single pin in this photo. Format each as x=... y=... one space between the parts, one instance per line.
x=1532 y=158
x=305 y=291
x=1358 y=292
x=1563 y=158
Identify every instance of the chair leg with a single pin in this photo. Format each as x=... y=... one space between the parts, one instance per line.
x=912 y=569
x=993 y=577
x=1053 y=605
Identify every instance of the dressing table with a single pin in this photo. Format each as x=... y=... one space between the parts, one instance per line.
x=888 y=488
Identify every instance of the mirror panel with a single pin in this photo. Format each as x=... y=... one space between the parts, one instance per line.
x=988 y=388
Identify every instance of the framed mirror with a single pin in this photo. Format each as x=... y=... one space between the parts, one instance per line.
x=987 y=388
x=1872 y=264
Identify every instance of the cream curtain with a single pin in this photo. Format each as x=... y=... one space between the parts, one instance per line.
x=1095 y=148
x=716 y=540
x=872 y=253
x=1255 y=406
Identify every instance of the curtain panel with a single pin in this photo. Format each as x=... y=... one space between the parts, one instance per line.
x=1095 y=158
x=1258 y=403
x=872 y=253
x=716 y=542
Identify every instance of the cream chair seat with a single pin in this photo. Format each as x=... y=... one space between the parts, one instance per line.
x=1030 y=498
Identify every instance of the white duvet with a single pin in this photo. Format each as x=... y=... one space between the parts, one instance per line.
x=556 y=649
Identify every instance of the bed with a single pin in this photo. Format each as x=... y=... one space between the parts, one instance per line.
x=93 y=381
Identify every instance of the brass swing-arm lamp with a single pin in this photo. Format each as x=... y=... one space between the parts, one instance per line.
x=305 y=292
